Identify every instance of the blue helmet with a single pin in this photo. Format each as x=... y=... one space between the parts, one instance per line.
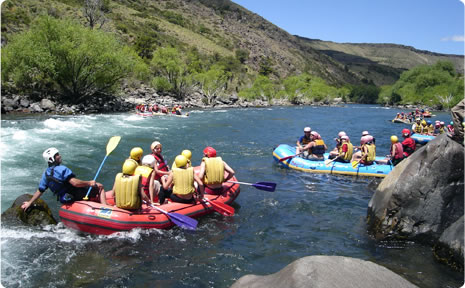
x=428 y=122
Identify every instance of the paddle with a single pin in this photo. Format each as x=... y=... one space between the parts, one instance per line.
x=221 y=208
x=328 y=161
x=289 y=157
x=266 y=186
x=112 y=143
x=355 y=163
x=182 y=221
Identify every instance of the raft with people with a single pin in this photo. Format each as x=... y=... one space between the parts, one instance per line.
x=96 y=218
x=286 y=155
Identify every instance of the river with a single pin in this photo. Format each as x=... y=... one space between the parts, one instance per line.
x=308 y=214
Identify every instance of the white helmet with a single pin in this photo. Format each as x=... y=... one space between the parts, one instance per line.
x=364 y=133
x=49 y=154
x=307 y=129
x=148 y=160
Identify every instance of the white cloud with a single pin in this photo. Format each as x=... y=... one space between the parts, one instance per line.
x=455 y=38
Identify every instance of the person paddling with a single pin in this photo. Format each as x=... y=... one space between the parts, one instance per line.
x=397 y=152
x=335 y=152
x=147 y=177
x=63 y=183
x=303 y=141
x=316 y=148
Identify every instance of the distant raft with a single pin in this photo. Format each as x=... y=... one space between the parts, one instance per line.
x=298 y=163
x=404 y=121
x=422 y=139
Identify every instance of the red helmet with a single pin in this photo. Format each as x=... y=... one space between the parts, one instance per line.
x=209 y=152
x=405 y=132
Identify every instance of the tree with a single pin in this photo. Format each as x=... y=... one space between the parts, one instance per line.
x=62 y=55
x=212 y=82
x=93 y=11
x=168 y=63
x=266 y=66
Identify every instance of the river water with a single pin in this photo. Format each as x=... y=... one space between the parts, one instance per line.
x=308 y=214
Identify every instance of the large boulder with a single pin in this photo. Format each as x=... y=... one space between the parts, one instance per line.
x=422 y=197
x=449 y=248
x=327 y=272
x=457 y=116
x=47 y=104
x=38 y=213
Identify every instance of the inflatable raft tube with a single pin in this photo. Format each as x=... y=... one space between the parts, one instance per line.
x=422 y=139
x=301 y=164
x=95 y=218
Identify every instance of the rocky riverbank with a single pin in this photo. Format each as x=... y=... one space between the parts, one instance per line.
x=15 y=103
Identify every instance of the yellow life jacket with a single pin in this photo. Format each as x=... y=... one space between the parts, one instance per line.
x=183 y=180
x=350 y=150
x=127 y=191
x=144 y=172
x=319 y=148
x=431 y=129
x=418 y=128
x=371 y=153
x=214 y=171
x=305 y=141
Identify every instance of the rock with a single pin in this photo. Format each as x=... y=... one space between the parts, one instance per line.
x=422 y=197
x=38 y=213
x=24 y=103
x=35 y=107
x=327 y=272
x=233 y=98
x=47 y=104
x=457 y=116
x=9 y=104
x=450 y=249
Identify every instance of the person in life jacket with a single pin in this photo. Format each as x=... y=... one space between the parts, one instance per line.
x=367 y=153
x=430 y=128
x=346 y=150
x=212 y=171
x=316 y=148
x=178 y=110
x=161 y=167
x=155 y=108
x=179 y=185
x=164 y=110
x=303 y=141
x=136 y=154
x=147 y=177
x=63 y=183
x=417 y=127
x=408 y=145
x=442 y=129
x=424 y=127
x=127 y=189
x=186 y=153
x=450 y=128
x=397 y=152
x=335 y=152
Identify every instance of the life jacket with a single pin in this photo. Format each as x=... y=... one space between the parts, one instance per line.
x=183 y=181
x=214 y=171
x=350 y=151
x=430 y=129
x=418 y=129
x=442 y=130
x=164 y=110
x=306 y=140
x=371 y=152
x=162 y=165
x=144 y=172
x=57 y=183
x=399 y=150
x=319 y=148
x=126 y=191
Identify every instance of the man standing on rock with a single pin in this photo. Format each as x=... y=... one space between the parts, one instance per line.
x=63 y=183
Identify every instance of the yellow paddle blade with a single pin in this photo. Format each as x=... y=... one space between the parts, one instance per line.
x=327 y=162
x=355 y=163
x=112 y=143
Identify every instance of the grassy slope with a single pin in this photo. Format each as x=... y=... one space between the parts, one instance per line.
x=222 y=27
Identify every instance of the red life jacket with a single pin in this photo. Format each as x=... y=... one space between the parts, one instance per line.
x=399 y=151
x=409 y=146
x=161 y=165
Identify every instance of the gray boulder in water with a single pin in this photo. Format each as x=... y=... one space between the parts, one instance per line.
x=422 y=198
x=38 y=213
x=327 y=272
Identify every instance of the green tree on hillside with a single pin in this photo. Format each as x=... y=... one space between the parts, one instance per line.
x=63 y=56
x=432 y=85
x=212 y=82
x=262 y=88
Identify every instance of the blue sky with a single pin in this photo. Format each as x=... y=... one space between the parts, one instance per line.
x=433 y=25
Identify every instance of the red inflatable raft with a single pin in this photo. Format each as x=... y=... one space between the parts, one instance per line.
x=93 y=217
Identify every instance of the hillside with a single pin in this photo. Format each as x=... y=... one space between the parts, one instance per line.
x=223 y=28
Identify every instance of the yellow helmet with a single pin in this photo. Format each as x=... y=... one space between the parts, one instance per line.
x=136 y=153
x=187 y=154
x=129 y=166
x=180 y=161
x=394 y=139
x=423 y=122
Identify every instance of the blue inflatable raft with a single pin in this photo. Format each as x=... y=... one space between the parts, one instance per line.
x=298 y=163
x=422 y=139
